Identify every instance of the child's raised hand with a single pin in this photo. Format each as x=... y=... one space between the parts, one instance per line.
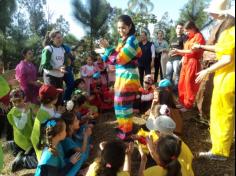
x=88 y=132
x=75 y=157
x=142 y=154
x=150 y=144
x=130 y=148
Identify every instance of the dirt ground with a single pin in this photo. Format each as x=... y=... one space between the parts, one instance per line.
x=196 y=136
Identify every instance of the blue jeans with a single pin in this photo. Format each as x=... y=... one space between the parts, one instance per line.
x=173 y=70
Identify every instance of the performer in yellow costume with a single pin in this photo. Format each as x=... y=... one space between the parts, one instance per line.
x=222 y=117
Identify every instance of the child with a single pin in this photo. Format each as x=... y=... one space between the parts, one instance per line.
x=103 y=97
x=52 y=160
x=166 y=155
x=115 y=160
x=48 y=96
x=80 y=88
x=102 y=68
x=166 y=97
x=21 y=117
x=162 y=126
x=26 y=74
x=72 y=143
x=87 y=72
x=76 y=105
x=147 y=94
x=111 y=71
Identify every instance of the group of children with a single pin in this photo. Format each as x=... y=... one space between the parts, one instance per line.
x=58 y=141
x=97 y=81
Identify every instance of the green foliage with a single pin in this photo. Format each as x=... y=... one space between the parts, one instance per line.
x=7 y=8
x=62 y=25
x=36 y=15
x=166 y=25
x=93 y=16
x=193 y=10
x=141 y=21
x=140 y=6
x=24 y=26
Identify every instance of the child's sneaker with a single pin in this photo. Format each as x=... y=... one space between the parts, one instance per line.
x=17 y=163
x=209 y=155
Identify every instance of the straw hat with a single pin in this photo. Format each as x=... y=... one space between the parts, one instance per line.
x=230 y=12
x=217 y=7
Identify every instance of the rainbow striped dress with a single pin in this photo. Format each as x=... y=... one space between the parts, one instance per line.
x=127 y=84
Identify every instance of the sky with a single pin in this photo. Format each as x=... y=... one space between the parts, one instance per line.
x=64 y=7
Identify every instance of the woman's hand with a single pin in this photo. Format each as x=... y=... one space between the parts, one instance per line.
x=196 y=46
x=63 y=69
x=201 y=75
x=75 y=157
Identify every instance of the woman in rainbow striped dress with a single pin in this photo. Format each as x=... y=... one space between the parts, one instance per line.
x=127 y=84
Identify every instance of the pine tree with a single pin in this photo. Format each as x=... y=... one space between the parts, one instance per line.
x=93 y=16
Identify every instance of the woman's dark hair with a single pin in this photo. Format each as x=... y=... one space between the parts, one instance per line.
x=77 y=82
x=69 y=118
x=168 y=149
x=24 y=52
x=128 y=21
x=49 y=36
x=48 y=130
x=112 y=158
x=191 y=25
x=166 y=97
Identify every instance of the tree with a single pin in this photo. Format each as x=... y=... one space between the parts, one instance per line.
x=7 y=8
x=142 y=21
x=37 y=23
x=92 y=15
x=193 y=10
x=140 y=6
x=62 y=25
x=166 y=25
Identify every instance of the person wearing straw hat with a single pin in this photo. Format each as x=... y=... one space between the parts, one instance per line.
x=222 y=108
x=204 y=95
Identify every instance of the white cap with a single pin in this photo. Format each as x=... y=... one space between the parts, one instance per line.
x=163 y=124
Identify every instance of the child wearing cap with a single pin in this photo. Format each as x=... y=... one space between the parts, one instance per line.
x=21 y=117
x=147 y=94
x=166 y=97
x=162 y=126
x=48 y=95
x=102 y=68
x=102 y=96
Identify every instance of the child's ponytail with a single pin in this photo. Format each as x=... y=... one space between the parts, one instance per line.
x=48 y=131
x=47 y=40
x=112 y=158
x=168 y=149
x=173 y=168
